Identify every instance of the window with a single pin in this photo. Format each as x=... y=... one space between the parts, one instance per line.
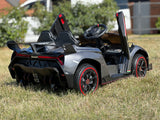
x=122 y=4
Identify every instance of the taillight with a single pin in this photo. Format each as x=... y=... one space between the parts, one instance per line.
x=59 y=58
x=22 y=55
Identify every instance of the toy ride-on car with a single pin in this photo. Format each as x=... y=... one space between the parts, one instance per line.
x=58 y=59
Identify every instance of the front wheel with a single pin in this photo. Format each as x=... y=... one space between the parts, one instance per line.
x=86 y=79
x=139 y=66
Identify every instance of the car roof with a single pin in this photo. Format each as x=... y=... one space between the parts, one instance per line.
x=28 y=2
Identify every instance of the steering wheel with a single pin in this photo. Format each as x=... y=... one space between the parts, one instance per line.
x=95 y=31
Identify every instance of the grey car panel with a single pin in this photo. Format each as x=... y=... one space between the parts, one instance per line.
x=73 y=60
x=135 y=49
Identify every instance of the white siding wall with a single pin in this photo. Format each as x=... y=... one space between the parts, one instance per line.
x=86 y=2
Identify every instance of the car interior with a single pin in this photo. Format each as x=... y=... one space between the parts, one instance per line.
x=108 y=43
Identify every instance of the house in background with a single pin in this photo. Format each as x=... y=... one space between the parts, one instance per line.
x=4 y=6
x=122 y=4
x=141 y=15
x=28 y=4
x=155 y=13
x=144 y=14
x=32 y=21
x=85 y=2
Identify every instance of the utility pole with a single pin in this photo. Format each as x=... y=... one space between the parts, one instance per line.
x=49 y=5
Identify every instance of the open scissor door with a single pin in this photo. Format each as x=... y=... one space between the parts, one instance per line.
x=123 y=33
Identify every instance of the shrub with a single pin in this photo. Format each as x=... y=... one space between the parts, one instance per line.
x=158 y=23
x=13 y=27
x=79 y=17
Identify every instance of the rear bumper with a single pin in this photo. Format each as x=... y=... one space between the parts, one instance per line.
x=47 y=71
x=45 y=75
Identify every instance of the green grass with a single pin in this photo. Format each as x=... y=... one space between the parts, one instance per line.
x=128 y=98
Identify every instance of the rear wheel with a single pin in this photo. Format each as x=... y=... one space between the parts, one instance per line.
x=139 y=66
x=86 y=79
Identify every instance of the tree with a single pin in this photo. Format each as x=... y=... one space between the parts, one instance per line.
x=79 y=17
x=158 y=23
x=12 y=26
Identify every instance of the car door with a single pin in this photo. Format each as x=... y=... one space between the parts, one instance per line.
x=123 y=33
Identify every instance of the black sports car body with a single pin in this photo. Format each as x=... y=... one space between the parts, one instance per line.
x=58 y=59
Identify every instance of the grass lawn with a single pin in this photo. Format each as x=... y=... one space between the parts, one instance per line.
x=128 y=98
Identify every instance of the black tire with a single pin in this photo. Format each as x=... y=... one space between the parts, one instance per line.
x=86 y=79
x=139 y=66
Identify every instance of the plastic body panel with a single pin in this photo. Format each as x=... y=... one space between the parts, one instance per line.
x=123 y=33
x=72 y=62
x=137 y=50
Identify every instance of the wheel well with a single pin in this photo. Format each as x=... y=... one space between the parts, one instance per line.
x=144 y=54
x=95 y=63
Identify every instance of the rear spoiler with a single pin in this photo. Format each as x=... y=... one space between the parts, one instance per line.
x=15 y=46
x=68 y=48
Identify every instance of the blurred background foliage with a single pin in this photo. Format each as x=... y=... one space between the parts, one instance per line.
x=79 y=17
x=158 y=23
x=12 y=26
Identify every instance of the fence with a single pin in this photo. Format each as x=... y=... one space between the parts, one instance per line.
x=144 y=16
